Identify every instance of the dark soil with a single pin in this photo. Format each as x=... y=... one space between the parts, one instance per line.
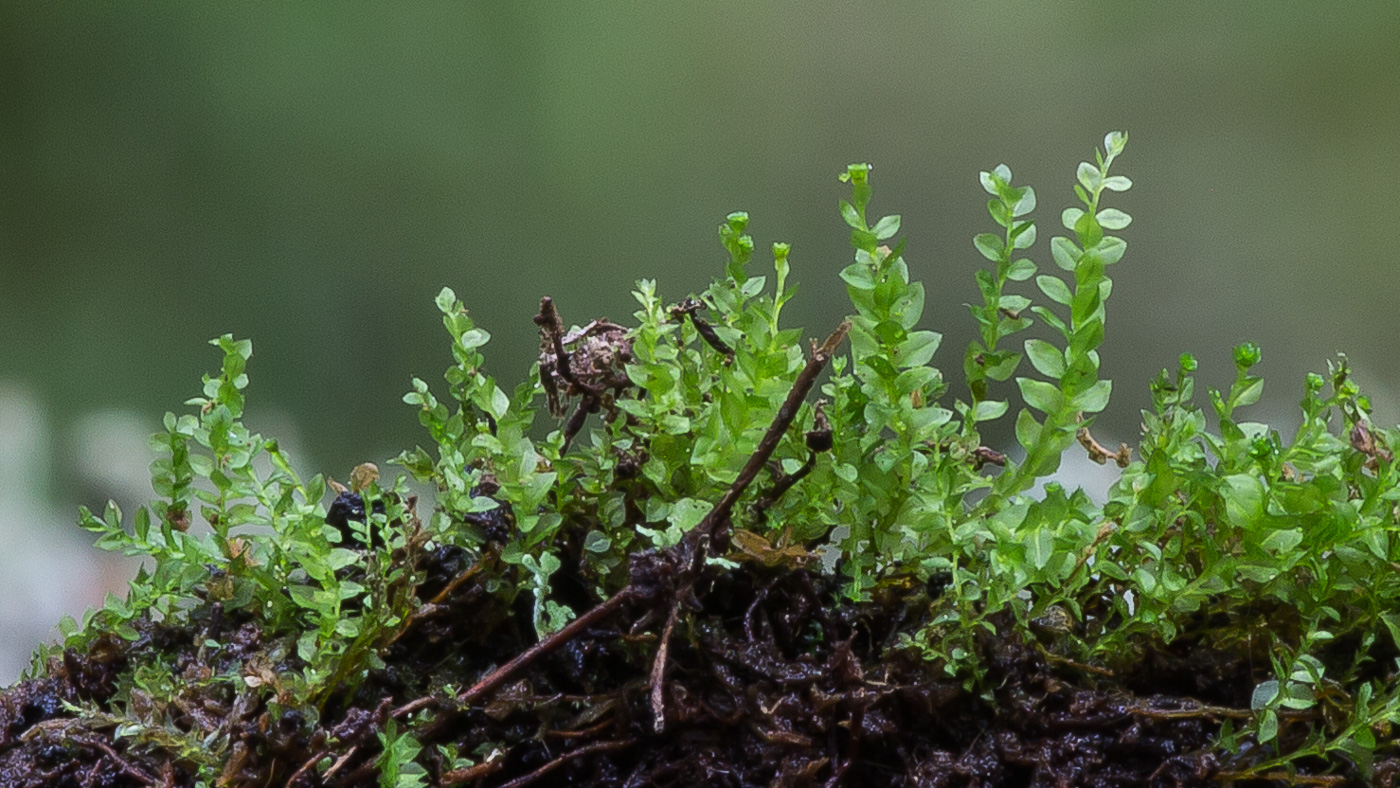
x=770 y=683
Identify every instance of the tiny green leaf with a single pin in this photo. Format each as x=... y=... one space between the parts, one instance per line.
x=887 y=227
x=1095 y=398
x=1113 y=219
x=1244 y=499
x=1042 y=396
x=1046 y=358
x=1020 y=270
x=1065 y=253
x=1055 y=289
x=991 y=246
x=988 y=410
x=1264 y=694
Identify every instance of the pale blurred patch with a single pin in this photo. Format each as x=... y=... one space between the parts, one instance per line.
x=47 y=568
x=109 y=453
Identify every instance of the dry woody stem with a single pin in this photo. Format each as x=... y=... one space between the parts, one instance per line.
x=1100 y=453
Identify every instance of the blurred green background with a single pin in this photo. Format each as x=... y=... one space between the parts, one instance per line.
x=309 y=175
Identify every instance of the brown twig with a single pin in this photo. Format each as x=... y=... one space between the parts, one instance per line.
x=688 y=308
x=503 y=673
x=582 y=733
x=1100 y=453
x=549 y=322
x=126 y=767
x=604 y=746
x=499 y=675
x=1203 y=711
x=340 y=762
x=381 y=714
x=434 y=606
x=306 y=767
x=1055 y=659
x=781 y=485
x=1191 y=714
x=456 y=583
x=470 y=773
x=587 y=405
x=658 y=670
x=418 y=704
x=818 y=440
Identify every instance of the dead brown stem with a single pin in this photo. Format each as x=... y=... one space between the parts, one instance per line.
x=688 y=308
x=340 y=762
x=587 y=405
x=136 y=774
x=1095 y=669
x=782 y=484
x=499 y=676
x=433 y=607
x=306 y=767
x=1100 y=453
x=418 y=704
x=658 y=671
x=470 y=773
x=1212 y=712
x=603 y=746
x=549 y=322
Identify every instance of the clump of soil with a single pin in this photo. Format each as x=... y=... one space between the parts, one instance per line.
x=767 y=682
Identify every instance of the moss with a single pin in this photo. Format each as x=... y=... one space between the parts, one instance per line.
x=736 y=560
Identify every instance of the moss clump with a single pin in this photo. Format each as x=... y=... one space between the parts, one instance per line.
x=737 y=560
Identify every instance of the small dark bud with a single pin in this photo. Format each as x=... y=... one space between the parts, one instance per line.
x=819 y=437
